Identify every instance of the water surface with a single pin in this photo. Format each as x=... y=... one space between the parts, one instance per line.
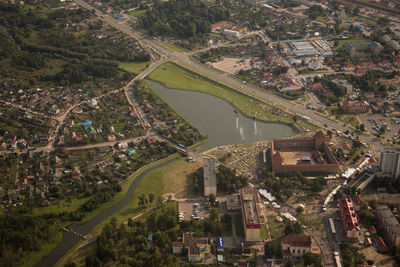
x=217 y=118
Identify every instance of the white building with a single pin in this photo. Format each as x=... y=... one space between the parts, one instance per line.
x=92 y=103
x=389 y=162
x=232 y=33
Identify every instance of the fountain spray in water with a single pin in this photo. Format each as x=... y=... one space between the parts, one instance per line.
x=237 y=122
x=241 y=133
x=255 y=128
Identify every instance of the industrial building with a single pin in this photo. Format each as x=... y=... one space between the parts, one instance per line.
x=350 y=224
x=389 y=162
x=250 y=201
x=311 y=47
x=363 y=47
x=304 y=49
x=210 y=179
x=389 y=223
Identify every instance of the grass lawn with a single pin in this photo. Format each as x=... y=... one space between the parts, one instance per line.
x=343 y=42
x=134 y=67
x=349 y=119
x=276 y=228
x=175 y=177
x=239 y=225
x=263 y=232
x=137 y=12
x=175 y=76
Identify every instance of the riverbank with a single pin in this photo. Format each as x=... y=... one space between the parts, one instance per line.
x=172 y=75
x=170 y=175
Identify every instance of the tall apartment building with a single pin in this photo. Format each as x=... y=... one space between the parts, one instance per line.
x=389 y=162
x=210 y=179
x=389 y=223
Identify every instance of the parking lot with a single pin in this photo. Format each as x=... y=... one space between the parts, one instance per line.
x=376 y=121
x=187 y=208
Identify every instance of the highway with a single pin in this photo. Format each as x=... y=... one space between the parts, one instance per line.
x=184 y=60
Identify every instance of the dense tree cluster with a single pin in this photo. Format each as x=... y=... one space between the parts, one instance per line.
x=186 y=18
x=285 y=185
x=228 y=181
x=128 y=244
x=350 y=255
x=22 y=233
x=35 y=39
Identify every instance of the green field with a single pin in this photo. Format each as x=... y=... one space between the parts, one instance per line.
x=343 y=42
x=134 y=67
x=171 y=178
x=175 y=76
x=276 y=228
x=263 y=232
x=137 y=12
x=348 y=119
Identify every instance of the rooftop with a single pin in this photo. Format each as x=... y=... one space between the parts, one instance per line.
x=249 y=199
x=209 y=172
x=193 y=245
x=297 y=240
x=348 y=214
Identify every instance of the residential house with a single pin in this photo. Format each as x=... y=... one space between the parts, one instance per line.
x=76 y=173
x=349 y=67
x=366 y=65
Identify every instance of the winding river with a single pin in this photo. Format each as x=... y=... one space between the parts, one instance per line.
x=212 y=116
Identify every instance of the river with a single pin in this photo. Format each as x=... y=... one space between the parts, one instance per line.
x=212 y=116
x=217 y=118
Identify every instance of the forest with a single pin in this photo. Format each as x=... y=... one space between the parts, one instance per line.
x=42 y=45
x=184 y=19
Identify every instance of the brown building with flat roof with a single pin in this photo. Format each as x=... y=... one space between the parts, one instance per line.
x=317 y=157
